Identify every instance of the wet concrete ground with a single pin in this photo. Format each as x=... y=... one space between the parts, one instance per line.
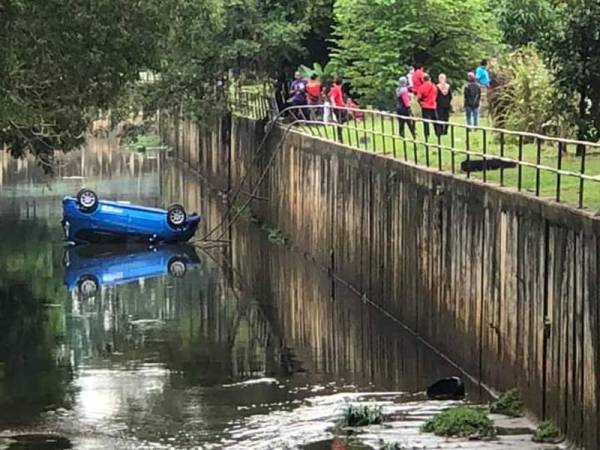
x=254 y=348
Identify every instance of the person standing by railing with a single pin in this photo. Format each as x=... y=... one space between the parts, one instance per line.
x=482 y=75
x=403 y=107
x=444 y=104
x=298 y=95
x=427 y=95
x=472 y=94
x=314 y=95
x=336 y=96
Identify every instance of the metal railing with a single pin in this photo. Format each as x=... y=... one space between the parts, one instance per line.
x=255 y=102
x=564 y=170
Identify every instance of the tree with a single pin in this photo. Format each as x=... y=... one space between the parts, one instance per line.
x=523 y=94
x=524 y=22
x=574 y=55
x=207 y=40
x=58 y=58
x=377 y=40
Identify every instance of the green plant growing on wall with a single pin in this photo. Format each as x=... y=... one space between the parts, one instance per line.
x=547 y=432
x=509 y=403
x=462 y=421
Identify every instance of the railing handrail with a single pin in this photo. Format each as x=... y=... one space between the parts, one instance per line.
x=535 y=136
x=262 y=105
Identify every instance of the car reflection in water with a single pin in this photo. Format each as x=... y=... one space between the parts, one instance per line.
x=90 y=267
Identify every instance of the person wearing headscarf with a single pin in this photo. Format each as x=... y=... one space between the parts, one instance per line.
x=403 y=106
x=444 y=104
x=472 y=94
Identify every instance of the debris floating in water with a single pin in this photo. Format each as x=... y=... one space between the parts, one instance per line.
x=251 y=382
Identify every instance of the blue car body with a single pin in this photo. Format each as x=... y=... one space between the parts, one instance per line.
x=119 y=221
x=109 y=265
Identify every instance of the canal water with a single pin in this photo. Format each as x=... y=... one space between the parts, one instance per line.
x=254 y=347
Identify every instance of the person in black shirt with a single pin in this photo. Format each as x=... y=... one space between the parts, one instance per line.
x=444 y=104
x=472 y=93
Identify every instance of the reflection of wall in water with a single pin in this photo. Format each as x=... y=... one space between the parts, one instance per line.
x=320 y=327
x=100 y=157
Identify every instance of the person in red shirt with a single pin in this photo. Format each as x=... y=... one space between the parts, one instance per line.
x=314 y=90
x=336 y=95
x=417 y=77
x=314 y=95
x=427 y=95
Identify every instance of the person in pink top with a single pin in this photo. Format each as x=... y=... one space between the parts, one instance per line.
x=403 y=107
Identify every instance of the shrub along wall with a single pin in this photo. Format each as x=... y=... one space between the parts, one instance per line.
x=505 y=284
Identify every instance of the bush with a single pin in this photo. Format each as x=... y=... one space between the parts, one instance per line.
x=546 y=432
x=509 y=404
x=463 y=421
x=360 y=416
x=524 y=96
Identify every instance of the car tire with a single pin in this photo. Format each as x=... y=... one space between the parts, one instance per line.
x=177 y=267
x=87 y=200
x=88 y=285
x=176 y=216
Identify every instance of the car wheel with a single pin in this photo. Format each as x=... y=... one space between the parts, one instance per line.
x=88 y=285
x=177 y=267
x=87 y=200
x=176 y=216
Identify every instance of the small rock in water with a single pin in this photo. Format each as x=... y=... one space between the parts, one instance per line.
x=451 y=388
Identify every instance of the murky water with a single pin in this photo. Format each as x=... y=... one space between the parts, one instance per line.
x=254 y=347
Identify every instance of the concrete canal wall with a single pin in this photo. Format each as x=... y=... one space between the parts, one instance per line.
x=504 y=284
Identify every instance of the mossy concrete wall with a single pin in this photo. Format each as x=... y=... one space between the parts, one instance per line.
x=504 y=284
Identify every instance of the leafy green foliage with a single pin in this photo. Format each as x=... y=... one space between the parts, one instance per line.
x=524 y=94
x=377 y=40
x=61 y=61
x=464 y=421
x=324 y=72
x=361 y=415
x=213 y=40
x=509 y=403
x=524 y=22
x=59 y=58
x=547 y=432
x=574 y=55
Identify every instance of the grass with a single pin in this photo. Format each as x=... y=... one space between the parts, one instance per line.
x=547 y=432
x=381 y=135
x=360 y=416
x=461 y=421
x=508 y=404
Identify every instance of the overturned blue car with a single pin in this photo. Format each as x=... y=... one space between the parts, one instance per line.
x=88 y=220
x=91 y=267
